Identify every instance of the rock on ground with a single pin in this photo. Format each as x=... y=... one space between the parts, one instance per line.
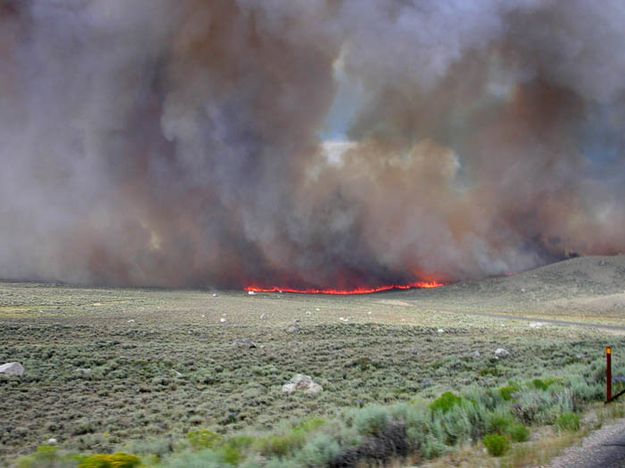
x=302 y=383
x=12 y=368
x=244 y=343
x=501 y=353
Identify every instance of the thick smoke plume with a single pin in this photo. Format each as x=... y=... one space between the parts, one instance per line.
x=307 y=143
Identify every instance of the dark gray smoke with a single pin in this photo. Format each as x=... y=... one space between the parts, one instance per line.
x=307 y=143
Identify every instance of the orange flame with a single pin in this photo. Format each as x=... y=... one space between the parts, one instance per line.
x=348 y=292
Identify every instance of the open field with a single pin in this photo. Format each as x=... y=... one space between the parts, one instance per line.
x=105 y=367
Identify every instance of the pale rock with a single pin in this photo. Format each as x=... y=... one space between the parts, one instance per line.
x=12 y=368
x=303 y=383
x=501 y=353
x=244 y=343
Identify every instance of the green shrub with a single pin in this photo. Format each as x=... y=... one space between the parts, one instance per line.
x=568 y=422
x=203 y=439
x=497 y=445
x=311 y=424
x=508 y=391
x=543 y=384
x=433 y=447
x=416 y=419
x=280 y=445
x=490 y=372
x=231 y=455
x=155 y=448
x=411 y=414
x=233 y=448
x=320 y=451
x=519 y=433
x=499 y=422
x=486 y=398
x=456 y=423
x=534 y=407
x=584 y=392
x=372 y=420
x=477 y=414
x=46 y=456
x=116 y=460
x=202 y=459
x=445 y=402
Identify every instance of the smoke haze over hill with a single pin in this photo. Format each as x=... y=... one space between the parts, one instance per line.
x=307 y=143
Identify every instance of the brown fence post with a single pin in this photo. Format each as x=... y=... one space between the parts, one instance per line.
x=608 y=373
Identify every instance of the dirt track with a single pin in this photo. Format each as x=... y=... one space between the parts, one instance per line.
x=604 y=448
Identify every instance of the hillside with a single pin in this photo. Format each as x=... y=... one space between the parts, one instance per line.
x=579 y=286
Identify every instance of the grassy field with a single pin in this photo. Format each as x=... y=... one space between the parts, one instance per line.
x=105 y=367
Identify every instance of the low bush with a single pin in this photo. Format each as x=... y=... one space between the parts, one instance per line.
x=153 y=450
x=372 y=420
x=280 y=445
x=373 y=434
x=532 y=407
x=44 y=456
x=507 y=392
x=500 y=421
x=496 y=445
x=568 y=422
x=543 y=384
x=445 y=402
x=203 y=439
x=519 y=433
x=201 y=459
x=116 y=460
x=319 y=451
x=456 y=423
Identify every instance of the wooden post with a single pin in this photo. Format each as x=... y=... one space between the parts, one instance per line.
x=608 y=373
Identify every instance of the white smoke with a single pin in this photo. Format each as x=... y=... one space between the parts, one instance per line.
x=181 y=142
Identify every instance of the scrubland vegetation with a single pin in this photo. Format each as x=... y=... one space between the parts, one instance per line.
x=411 y=431
x=122 y=378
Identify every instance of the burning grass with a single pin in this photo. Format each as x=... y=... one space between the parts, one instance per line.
x=348 y=292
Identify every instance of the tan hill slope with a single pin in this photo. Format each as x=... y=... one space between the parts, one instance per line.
x=592 y=285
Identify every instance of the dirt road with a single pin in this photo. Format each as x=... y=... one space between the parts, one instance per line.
x=604 y=448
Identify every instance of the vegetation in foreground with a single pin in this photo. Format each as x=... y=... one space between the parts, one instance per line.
x=106 y=369
x=411 y=431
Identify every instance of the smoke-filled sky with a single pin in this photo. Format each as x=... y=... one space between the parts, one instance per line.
x=307 y=143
